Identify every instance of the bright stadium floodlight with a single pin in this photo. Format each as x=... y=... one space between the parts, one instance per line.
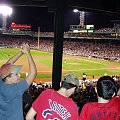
x=75 y=10
x=5 y=11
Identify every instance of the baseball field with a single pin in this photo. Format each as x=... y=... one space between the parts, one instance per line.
x=71 y=64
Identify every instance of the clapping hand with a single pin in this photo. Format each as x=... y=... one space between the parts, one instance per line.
x=25 y=48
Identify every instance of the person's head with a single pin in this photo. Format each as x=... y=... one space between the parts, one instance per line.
x=10 y=73
x=118 y=92
x=106 y=87
x=70 y=83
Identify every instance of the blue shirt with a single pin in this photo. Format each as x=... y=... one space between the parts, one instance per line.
x=11 y=100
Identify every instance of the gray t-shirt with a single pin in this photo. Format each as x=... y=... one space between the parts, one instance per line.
x=11 y=100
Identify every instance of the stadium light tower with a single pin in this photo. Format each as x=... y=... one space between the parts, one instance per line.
x=81 y=16
x=5 y=11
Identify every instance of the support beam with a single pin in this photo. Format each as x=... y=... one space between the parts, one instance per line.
x=58 y=44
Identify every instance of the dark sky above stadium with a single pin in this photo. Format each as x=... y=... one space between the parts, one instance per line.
x=40 y=17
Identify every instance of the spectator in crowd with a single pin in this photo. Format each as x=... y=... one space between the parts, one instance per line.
x=84 y=76
x=104 y=109
x=27 y=102
x=56 y=105
x=116 y=99
x=11 y=88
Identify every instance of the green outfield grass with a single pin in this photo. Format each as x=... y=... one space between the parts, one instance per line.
x=71 y=64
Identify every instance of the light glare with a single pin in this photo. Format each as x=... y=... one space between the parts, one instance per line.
x=75 y=10
x=5 y=10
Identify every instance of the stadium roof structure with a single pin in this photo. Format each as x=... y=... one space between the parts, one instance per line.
x=96 y=5
x=58 y=6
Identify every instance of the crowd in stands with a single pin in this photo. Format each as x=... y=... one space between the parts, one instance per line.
x=66 y=34
x=106 y=30
x=98 y=50
x=18 y=32
x=109 y=50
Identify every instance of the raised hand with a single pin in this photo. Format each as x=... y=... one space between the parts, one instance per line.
x=25 y=48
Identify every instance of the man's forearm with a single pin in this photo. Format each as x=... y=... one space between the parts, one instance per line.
x=15 y=58
x=32 y=69
x=32 y=66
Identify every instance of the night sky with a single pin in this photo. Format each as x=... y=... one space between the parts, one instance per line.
x=40 y=17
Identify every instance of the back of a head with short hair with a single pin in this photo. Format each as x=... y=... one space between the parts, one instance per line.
x=106 y=87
